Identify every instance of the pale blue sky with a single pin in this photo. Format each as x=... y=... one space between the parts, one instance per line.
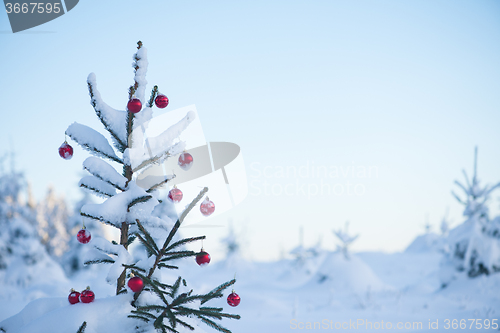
x=407 y=86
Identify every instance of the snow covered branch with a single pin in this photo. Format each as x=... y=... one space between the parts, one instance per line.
x=158 y=144
x=92 y=141
x=105 y=172
x=98 y=186
x=113 y=120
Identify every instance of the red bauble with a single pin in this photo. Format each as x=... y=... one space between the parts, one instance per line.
x=161 y=101
x=203 y=258
x=175 y=195
x=83 y=236
x=135 y=284
x=207 y=207
x=134 y=105
x=66 y=151
x=74 y=297
x=185 y=161
x=233 y=299
x=87 y=296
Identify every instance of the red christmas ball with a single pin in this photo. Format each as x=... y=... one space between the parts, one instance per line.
x=135 y=284
x=175 y=195
x=83 y=236
x=87 y=296
x=66 y=151
x=202 y=258
x=74 y=297
x=233 y=299
x=161 y=101
x=185 y=161
x=207 y=207
x=134 y=105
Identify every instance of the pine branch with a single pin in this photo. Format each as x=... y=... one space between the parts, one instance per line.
x=138 y=200
x=184 y=241
x=73 y=131
x=139 y=317
x=158 y=308
x=171 y=317
x=151 y=161
x=184 y=324
x=207 y=308
x=98 y=152
x=143 y=313
x=131 y=239
x=101 y=219
x=106 y=251
x=219 y=289
x=134 y=267
x=155 y=186
x=176 y=286
x=95 y=174
x=154 y=92
x=149 y=239
x=99 y=261
x=179 y=256
x=215 y=325
x=161 y=285
x=96 y=191
x=162 y=265
x=82 y=328
x=150 y=249
x=198 y=313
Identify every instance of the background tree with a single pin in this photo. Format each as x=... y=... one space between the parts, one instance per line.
x=475 y=244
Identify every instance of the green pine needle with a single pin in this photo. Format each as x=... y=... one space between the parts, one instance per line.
x=82 y=328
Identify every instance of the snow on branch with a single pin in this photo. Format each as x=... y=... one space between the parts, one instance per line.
x=98 y=186
x=166 y=139
x=160 y=183
x=102 y=170
x=113 y=120
x=162 y=145
x=172 y=151
x=140 y=65
x=119 y=254
x=92 y=140
x=115 y=209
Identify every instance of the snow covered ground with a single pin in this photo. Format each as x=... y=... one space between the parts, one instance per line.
x=370 y=292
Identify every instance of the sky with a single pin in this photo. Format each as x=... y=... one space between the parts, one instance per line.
x=361 y=111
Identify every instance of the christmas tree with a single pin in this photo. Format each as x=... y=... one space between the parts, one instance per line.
x=165 y=306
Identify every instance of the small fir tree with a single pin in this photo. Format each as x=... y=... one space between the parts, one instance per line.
x=345 y=240
x=129 y=208
x=475 y=244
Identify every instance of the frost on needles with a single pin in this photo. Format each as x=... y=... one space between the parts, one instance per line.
x=162 y=305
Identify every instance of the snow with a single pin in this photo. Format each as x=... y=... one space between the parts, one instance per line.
x=91 y=140
x=371 y=286
x=161 y=144
x=141 y=61
x=100 y=187
x=106 y=172
x=115 y=210
x=113 y=119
